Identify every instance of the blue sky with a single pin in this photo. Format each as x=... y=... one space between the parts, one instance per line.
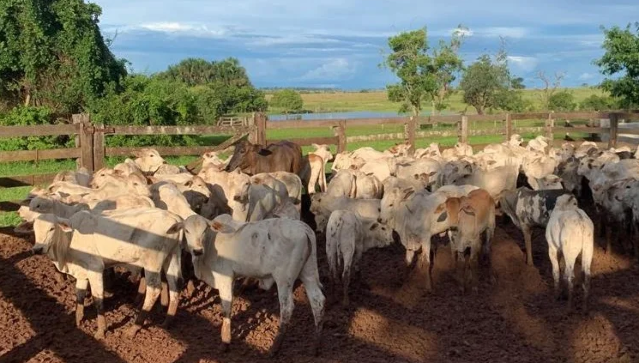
x=339 y=43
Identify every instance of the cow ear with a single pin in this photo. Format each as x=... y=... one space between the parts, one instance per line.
x=374 y=225
x=237 y=170
x=315 y=146
x=221 y=227
x=65 y=225
x=24 y=228
x=408 y=192
x=25 y=202
x=432 y=173
x=175 y=227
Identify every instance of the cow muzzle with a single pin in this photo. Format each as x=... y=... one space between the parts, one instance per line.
x=198 y=252
x=37 y=250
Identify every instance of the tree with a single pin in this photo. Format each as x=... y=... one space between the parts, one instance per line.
x=52 y=53
x=621 y=61
x=562 y=101
x=197 y=71
x=288 y=100
x=598 y=103
x=549 y=87
x=485 y=81
x=517 y=83
x=422 y=77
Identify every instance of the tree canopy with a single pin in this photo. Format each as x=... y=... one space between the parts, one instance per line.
x=288 y=100
x=621 y=61
x=484 y=80
x=423 y=77
x=53 y=54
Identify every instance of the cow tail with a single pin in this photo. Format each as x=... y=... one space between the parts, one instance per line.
x=353 y=191
x=311 y=256
x=322 y=177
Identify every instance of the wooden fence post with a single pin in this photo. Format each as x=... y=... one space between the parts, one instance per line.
x=550 y=124
x=614 y=128
x=79 y=119
x=340 y=132
x=463 y=130
x=509 y=127
x=258 y=135
x=410 y=129
x=86 y=144
x=98 y=148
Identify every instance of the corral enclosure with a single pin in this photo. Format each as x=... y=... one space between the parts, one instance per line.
x=512 y=320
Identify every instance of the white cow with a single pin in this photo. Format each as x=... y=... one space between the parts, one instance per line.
x=348 y=236
x=278 y=250
x=322 y=205
x=342 y=184
x=571 y=232
x=86 y=244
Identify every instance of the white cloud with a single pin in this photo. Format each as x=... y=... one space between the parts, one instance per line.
x=522 y=63
x=333 y=70
x=586 y=76
x=503 y=31
x=462 y=32
x=290 y=39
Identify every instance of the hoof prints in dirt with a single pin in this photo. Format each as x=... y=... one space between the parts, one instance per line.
x=514 y=319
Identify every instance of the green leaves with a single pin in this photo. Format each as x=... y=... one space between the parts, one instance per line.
x=485 y=82
x=288 y=100
x=621 y=60
x=423 y=77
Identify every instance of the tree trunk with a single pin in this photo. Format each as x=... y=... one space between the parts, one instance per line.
x=480 y=110
x=27 y=99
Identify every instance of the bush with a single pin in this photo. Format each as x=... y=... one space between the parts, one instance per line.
x=562 y=101
x=288 y=100
x=26 y=116
x=598 y=103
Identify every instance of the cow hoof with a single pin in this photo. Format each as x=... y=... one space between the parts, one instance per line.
x=131 y=333
x=167 y=323
x=225 y=347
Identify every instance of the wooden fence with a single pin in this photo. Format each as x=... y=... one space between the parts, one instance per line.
x=90 y=147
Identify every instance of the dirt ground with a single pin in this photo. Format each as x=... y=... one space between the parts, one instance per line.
x=515 y=319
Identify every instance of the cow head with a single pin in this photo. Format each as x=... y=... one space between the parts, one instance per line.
x=241 y=155
x=566 y=202
x=148 y=160
x=195 y=228
x=239 y=184
x=379 y=235
x=51 y=231
x=391 y=202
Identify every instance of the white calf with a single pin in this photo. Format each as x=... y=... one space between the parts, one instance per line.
x=570 y=232
x=348 y=236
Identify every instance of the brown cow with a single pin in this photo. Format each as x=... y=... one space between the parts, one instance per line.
x=253 y=159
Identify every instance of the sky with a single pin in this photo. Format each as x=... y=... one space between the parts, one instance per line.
x=340 y=43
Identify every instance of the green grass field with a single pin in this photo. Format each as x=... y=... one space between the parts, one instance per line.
x=378 y=101
x=335 y=102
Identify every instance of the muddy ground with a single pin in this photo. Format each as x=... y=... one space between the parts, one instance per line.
x=515 y=319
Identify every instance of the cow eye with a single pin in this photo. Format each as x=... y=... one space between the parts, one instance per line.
x=151 y=155
x=51 y=230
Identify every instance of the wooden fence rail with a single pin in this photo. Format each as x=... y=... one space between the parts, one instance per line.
x=90 y=148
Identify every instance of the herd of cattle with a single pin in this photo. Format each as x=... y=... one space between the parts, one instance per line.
x=240 y=217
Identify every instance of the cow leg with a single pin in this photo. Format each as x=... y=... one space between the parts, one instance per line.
x=609 y=238
x=81 y=286
x=153 y=287
x=410 y=256
x=139 y=298
x=346 y=277
x=554 y=260
x=164 y=294
x=316 y=299
x=97 y=290
x=527 y=231
x=569 y=275
x=285 y=294
x=173 y=280
x=225 y=288
x=427 y=265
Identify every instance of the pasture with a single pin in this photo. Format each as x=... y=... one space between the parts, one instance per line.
x=377 y=101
